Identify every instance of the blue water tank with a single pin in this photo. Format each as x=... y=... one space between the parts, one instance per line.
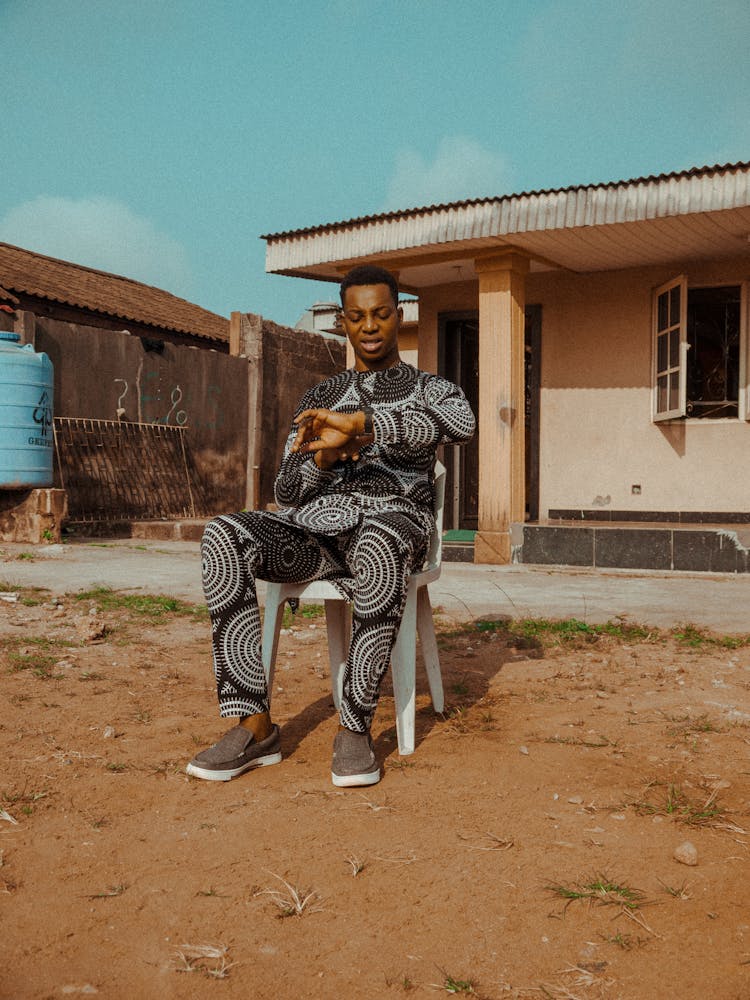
x=26 y=437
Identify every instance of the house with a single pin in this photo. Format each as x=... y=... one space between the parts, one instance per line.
x=321 y=317
x=139 y=380
x=162 y=409
x=601 y=332
x=62 y=290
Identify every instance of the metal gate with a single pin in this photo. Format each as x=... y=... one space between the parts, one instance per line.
x=116 y=470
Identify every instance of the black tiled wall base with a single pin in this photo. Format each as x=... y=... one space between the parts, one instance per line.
x=702 y=550
x=667 y=516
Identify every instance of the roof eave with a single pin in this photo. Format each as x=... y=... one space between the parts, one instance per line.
x=478 y=224
x=120 y=316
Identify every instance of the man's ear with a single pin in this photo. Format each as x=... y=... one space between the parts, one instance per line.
x=400 y=314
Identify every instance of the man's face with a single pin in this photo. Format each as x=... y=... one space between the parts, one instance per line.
x=371 y=321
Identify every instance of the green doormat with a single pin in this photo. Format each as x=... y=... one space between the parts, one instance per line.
x=459 y=535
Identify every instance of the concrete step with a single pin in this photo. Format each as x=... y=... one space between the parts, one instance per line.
x=187 y=530
x=458 y=552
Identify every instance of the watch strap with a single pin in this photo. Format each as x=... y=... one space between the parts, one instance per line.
x=367 y=410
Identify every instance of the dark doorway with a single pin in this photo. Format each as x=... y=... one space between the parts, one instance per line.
x=458 y=356
x=458 y=360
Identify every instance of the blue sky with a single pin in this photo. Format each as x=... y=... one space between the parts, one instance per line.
x=160 y=138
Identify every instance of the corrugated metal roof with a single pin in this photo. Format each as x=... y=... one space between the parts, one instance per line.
x=698 y=190
x=109 y=294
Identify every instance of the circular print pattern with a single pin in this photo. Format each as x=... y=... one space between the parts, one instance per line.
x=222 y=570
x=240 y=649
x=379 y=572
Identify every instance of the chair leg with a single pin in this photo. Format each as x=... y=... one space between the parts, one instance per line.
x=430 y=654
x=273 y=614
x=339 y=627
x=403 y=672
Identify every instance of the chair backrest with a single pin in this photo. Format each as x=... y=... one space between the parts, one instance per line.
x=435 y=550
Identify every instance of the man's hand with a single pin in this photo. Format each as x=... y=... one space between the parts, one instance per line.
x=330 y=435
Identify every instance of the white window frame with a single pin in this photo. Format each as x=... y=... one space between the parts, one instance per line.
x=674 y=365
x=680 y=410
x=744 y=401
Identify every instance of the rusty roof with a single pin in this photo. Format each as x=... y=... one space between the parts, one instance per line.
x=6 y=296
x=109 y=294
x=495 y=199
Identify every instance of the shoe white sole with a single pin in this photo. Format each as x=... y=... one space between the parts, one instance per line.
x=355 y=780
x=196 y=771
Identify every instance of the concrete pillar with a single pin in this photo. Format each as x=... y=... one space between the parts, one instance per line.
x=246 y=341
x=502 y=483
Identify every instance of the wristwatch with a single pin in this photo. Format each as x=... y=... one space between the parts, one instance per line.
x=367 y=410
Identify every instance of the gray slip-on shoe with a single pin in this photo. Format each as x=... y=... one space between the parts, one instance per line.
x=354 y=761
x=236 y=752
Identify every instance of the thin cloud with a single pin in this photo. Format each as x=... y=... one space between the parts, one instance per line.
x=99 y=232
x=646 y=58
x=461 y=168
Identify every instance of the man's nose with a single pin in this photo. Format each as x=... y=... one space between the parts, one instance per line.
x=371 y=322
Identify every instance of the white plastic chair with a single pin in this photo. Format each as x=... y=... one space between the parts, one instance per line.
x=416 y=620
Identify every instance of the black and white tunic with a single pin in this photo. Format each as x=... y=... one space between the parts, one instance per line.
x=363 y=525
x=413 y=413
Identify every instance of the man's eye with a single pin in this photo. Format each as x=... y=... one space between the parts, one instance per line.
x=384 y=313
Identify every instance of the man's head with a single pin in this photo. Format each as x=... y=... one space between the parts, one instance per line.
x=369 y=274
x=371 y=317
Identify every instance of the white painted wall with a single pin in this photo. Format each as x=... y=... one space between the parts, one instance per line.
x=597 y=438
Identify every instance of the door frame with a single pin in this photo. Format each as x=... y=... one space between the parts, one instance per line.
x=533 y=386
x=533 y=381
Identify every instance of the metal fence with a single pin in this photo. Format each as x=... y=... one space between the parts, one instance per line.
x=120 y=471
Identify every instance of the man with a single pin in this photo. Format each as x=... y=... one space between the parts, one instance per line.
x=356 y=508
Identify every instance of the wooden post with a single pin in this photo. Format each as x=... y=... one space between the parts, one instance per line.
x=502 y=293
x=25 y=324
x=246 y=341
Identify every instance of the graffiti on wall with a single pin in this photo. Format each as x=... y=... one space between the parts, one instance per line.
x=168 y=405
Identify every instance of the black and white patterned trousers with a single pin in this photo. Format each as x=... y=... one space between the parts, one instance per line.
x=371 y=564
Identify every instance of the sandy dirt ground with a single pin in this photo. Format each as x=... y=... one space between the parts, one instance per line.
x=525 y=850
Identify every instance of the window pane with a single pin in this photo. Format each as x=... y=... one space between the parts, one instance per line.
x=661 y=394
x=713 y=331
x=661 y=352
x=674 y=390
x=674 y=305
x=662 y=320
x=674 y=348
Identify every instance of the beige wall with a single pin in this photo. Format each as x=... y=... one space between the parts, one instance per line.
x=408 y=346
x=597 y=439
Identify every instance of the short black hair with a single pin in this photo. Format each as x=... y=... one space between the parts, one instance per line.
x=369 y=274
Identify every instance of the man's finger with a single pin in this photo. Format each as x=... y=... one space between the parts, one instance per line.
x=305 y=416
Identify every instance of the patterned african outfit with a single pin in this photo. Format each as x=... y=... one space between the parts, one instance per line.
x=363 y=525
